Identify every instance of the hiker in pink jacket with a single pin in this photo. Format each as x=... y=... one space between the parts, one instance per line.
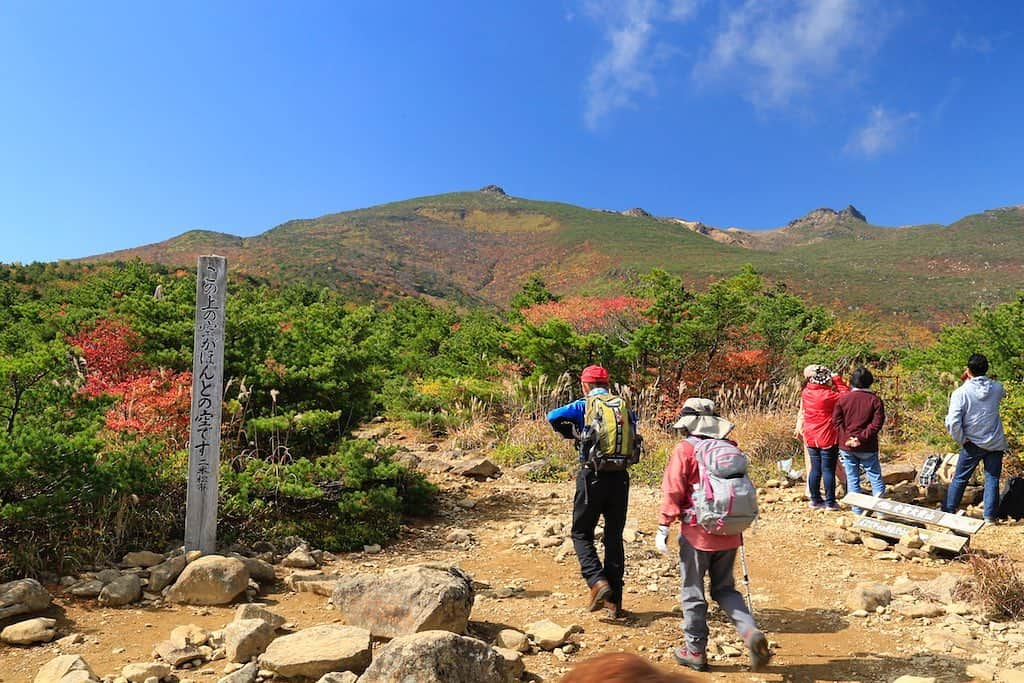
x=700 y=552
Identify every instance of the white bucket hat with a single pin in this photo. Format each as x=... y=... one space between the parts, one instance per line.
x=700 y=419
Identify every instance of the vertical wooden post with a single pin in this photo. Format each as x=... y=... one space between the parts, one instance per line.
x=207 y=390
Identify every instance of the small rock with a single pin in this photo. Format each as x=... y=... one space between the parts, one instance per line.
x=142 y=558
x=139 y=673
x=547 y=634
x=513 y=640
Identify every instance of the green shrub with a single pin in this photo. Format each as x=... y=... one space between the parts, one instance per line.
x=354 y=496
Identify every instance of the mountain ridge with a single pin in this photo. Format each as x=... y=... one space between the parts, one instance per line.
x=475 y=248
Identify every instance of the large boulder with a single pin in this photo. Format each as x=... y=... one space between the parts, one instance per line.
x=317 y=650
x=65 y=669
x=424 y=597
x=23 y=596
x=121 y=591
x=246 y=638
x=30 y=631
x=438 y=657
x=210 y=580
x=164 y=574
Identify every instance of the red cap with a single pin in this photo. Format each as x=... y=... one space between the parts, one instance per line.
x=594 y=374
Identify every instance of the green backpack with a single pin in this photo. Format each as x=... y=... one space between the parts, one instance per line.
x=610 y=442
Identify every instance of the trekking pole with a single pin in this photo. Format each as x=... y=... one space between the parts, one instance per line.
x=746 y=575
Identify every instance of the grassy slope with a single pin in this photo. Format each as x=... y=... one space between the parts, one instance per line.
x=474 y=247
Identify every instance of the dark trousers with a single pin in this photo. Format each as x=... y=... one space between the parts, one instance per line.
x=597 y=494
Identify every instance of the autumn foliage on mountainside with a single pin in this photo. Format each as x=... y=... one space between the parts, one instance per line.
x=589 y=314
x=150 y=401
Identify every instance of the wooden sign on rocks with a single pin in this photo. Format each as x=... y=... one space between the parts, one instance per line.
x=890 y=529
x=207 y=389
x=914 y=513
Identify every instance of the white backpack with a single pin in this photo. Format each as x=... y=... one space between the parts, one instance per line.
x=724 y=500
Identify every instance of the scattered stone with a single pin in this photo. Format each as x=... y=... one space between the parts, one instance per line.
x=259 y=570
x=372 y=549
x=30 y=631
x=175 y=655
x=438 y=657
x=246 y=638
x=164 y=574
x=121 y=591
x=86 y=588
x=942 y=587
x=547 y=634
x=897 y=472
x=914 y=679
x=252 y=610
x=142 y=558
x=23 y=596
x=70 y=640
x=65 y=669
x=339 y=677
x=868 y=596
x=874 y=543
x=300 y=558
x=315 y=651
x=478 y=468
x=188 y=635
x=245 y=674
x=460 y=537
x=981 y=672
x=511 y=639
x=210 y=580
x=919 y=610
x=407 y=600
x=140 y=673
x=107 y=575
x=317 y=583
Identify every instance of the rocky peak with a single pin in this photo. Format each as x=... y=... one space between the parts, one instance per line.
x=851 y=212
x=493 y=189
x=636 y=212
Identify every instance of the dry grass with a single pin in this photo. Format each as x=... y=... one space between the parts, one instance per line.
x=995 y=584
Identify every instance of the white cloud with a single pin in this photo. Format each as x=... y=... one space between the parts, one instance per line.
x=882 y=132
x=778 y=50
x=626 y=70
x=963 y=41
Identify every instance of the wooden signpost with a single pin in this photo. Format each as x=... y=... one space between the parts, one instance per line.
x=207 y=390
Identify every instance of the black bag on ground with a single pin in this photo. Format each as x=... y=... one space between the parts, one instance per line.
x=1011 y=503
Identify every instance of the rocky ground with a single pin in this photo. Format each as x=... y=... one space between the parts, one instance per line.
x=816 y=596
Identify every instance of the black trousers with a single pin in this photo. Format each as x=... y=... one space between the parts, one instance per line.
x=601 y=494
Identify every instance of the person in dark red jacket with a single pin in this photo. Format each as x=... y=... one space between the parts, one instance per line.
x=817 y=403
x=858 y=417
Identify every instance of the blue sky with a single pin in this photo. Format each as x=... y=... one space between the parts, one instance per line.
x=128 y=123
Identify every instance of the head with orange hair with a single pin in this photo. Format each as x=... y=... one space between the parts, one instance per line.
x=622 y=667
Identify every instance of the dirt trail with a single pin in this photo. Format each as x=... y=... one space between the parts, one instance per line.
x=799 y=582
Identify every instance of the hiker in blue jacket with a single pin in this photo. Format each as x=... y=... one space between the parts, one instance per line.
x=973 y=421
x=598 y=494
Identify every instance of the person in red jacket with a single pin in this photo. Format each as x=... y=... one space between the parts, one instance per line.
x=858 y=417
x=821 y=443
x=700 y=552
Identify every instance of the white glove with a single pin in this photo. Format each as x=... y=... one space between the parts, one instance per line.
x=661 y=540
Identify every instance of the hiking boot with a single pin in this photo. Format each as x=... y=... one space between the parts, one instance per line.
x=613 y=610
x=760 y=653
x=598 y=592
x=815 y=505
x=698 y=661
x=833 y=507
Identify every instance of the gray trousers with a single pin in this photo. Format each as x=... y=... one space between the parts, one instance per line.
x=693 y=565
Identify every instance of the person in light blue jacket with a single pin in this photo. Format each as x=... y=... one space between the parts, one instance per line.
x=974 y=422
